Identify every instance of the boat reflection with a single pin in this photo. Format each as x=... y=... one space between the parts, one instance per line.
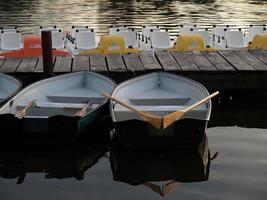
x=96 y=134
x=146 y=167
x=57 y=163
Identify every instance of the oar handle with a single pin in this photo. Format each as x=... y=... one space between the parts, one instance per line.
x=120 y=102
x=201 y=102
x=21 y=114
x=83 y=110
x=31 y=104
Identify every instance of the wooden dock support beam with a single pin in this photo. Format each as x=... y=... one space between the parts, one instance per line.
x=47 y=53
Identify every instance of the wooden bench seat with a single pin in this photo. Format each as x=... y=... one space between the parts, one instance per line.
x=73 y=99
x=159 y=101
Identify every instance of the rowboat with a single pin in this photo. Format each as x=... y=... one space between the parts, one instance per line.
x=160 y=109
x=8 y=87
x=64 y=105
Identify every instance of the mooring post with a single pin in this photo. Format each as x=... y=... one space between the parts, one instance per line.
x=47 y=53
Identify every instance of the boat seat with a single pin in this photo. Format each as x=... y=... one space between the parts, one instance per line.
x=85 y=40
x=45 y=110
x=57 y=105
x=255 y=30
x=193 y=42
x=57 y=39
x=160 y=40
x=259 y=41
x=159 y=102
x=68 y=99
x=112 y=44
x=234 y=39
x=11 y=41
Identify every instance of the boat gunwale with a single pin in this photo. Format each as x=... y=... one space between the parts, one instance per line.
x=15 y=92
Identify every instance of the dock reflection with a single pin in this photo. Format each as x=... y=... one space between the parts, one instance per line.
x=167 y=168
x=240 y=108
x=57 y=163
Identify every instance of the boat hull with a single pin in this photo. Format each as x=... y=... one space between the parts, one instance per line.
x=183 y=134
x=55 y=129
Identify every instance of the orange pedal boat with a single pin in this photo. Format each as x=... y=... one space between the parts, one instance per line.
x=32 y=48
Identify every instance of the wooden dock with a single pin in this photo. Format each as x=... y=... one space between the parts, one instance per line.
x=239 y=69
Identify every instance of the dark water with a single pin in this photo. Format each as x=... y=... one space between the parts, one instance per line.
x=99 y=14
x=102 y=171
x=239 y=172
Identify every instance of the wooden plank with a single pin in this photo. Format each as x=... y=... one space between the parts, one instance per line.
x=260 y=54
x=39 y=66
x=133 y=62
x=80 y=63
x=27 y=65
x=236 y=61
x=149 y=61
x=251 y=59
x=2 y=60
x=202 y=62
x=115 y=62
x=167 y=61
x=63 y=64
x=184 y=60
x=218 y=61
x=10 y=65
x=98 y=63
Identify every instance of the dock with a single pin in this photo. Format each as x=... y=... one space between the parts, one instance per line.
x=226 y=69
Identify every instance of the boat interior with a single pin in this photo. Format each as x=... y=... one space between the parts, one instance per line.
x=160 y=94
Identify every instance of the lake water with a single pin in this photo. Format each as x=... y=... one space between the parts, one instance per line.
x=239 y=172
x=237 y=132
x=28 y=15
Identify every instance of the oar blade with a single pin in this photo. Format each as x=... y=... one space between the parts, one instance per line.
x=171 y=118
x=153 y=120
x=177 y=115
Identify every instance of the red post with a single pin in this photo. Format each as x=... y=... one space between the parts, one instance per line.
x=47 y=53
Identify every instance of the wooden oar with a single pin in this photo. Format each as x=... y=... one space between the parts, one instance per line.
x=166 y=121
x=171 y=118
x=83 y=111
x=154 y=120
x=20 y=114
